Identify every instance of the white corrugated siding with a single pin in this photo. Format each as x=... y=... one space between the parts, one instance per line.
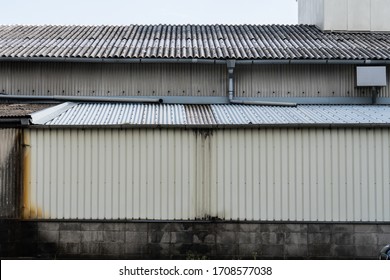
x=301 y=81
x=282 y=174
x=111 y=79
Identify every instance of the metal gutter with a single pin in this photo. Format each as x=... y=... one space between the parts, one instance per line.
x=11 y=122
x=215 y=126
x=196 y=60
x=199 y=100
x=81 y=98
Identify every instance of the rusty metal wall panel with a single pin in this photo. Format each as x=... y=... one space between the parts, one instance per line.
x=10 y=172
x=301 y=81
x=96 y=79
x=232 y=174
x=115 y=174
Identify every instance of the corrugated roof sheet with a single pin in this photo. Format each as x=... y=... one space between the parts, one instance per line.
x=190 y=41
x=20 y=110
x=91 y=114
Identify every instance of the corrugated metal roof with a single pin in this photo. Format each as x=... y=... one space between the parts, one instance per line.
x=91 y=114
x=190 y=41
x=20 y=110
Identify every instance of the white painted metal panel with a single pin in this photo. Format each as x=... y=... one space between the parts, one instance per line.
x=280 y=174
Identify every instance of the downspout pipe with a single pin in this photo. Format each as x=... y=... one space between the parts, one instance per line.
x=231 y=64
x=81 y=99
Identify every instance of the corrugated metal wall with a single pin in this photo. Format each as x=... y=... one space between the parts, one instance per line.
x=301 y=81
x=89 y=79
x=253 y=174
x=10 y=172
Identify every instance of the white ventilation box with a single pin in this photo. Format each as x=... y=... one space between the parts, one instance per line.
x=371 y=76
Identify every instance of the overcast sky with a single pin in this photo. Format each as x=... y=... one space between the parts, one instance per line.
x=122 y=12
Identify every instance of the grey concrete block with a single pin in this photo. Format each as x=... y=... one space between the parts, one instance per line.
x=209 y=227
x=160 y=227
x=384 y=228
x=137 y=227
x=114 y=236
x=272 y=228
x=70 y=236
x=249 y=250
x=249 y=227
x=70 y=226
x=92 y=236
x=181 y=237
x=296 y=251
x=247 y=237
x=225 y=249
x=48 y=236
x=157 y=251
x=366 y=239
x=159 y=237
x=114 y=226
x=48 y=226
x=270 y=238
x=319 y=238
x=47 y=250
x=112 y=248
x=383 y=238
x=136 y=249
x=273 y=251
x=181 y=227
x=367 y=251
x=339 y=251
x=136 y=237
x=366 y=228
x=346 y=238
x=91 y=248
x=321 y=250
x=69 y=249
x=92 y=226
x=226 y=237
x=302 y=228
x=342 y=228
x=204 y=237
x=321 y=228
x=221 y=227
x=296 y=238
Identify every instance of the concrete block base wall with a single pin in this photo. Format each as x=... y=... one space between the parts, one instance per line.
x=190 y=240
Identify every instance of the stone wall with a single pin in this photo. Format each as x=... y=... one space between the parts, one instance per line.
x=181 y=240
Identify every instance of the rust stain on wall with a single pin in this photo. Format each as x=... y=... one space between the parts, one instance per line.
x=26 y=207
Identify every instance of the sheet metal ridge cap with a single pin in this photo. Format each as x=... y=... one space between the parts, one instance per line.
x=216 y=126
x=48 y=114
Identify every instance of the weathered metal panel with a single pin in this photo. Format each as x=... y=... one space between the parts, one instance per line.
x=115 y=174
x=97 y=79
x=302 y=174
x=301 y=81
x=10 y=172
x=280 y=174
